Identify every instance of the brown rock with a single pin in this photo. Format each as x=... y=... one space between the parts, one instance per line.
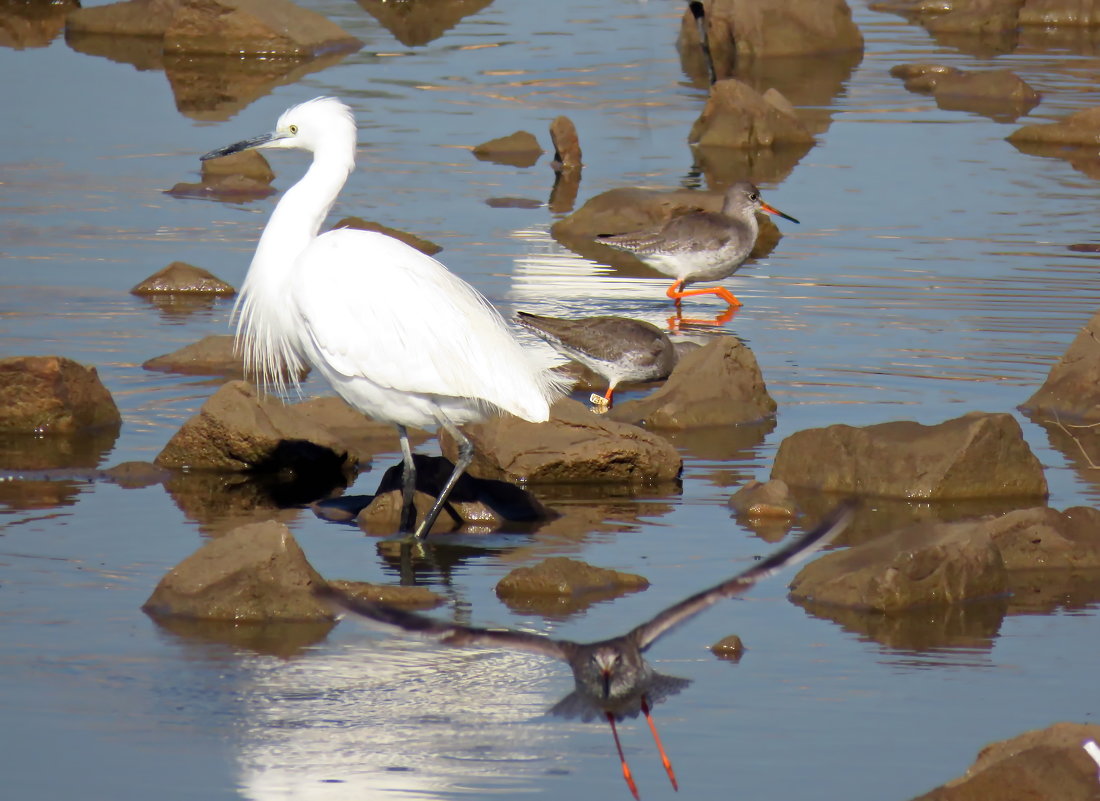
x=977 y=455
x=144 y=18
x=401 y=597
x=573 y=447
x=729 y=648
x=918 y=566
x=1040 y=765
x=425 y=246
x=999 y=94
x=743 y=29
x=976 y=18
x=252 y=574
x=567 y=146
x=1065 y=13
x=237 y=177
x=559 y=586
x=356 y=432
x=737 y=116
x=211 y=355
x=1081 y=129
x=519 y=149
x=53 y=395
x=235 y=430
x=718 y=384
x=182 y=278
x=1044 y=538
x=136 y=475
x=1072 y=387
x=266 y=28
x=764 y=499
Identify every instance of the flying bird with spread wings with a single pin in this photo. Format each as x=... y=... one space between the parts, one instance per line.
x=612 y=677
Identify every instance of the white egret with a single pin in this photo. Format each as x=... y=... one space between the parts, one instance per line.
x=397 y=335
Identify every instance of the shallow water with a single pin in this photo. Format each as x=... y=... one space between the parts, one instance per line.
x=930 y=277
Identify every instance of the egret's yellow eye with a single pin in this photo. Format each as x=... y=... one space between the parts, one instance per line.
x=294 y=129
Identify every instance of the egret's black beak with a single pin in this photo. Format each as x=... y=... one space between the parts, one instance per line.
x=246 y=144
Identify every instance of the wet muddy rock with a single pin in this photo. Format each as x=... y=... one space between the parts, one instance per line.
x=264 y=28
x=1081 y=129
x=53 y=395
x=737 y=116
x=999 y=94
x=768 y=499
x=742 y=29
x=236 y=430
x=181 y=278
x=978 y=455
x=211 y=355
x=919 y=566
x=237 y=177
x=1072 y=387
x=730 y=648
x=253 y=574
x=717 y=384
x=1042 y=538
x=520 y=149
x=561 y=585
x=573 y=447
x=1042 y=764
x=416 y=598
x=425 y=246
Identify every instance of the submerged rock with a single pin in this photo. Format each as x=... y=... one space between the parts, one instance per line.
x=425 y=246
x=520 y=149
x=567 y=145
x=417 y=598
x=237 y=177
x=53 y=395
x=764 y=499
x=253 y=574
x=236 y=430
x=977 y=455
x=179 y=277
x=717 y=384
x=560 y=585
x=211 y=355
x=999 y=94
x=264 y=28
x=918 y=566
x=1079 y=129
x=573 y=447
x=1072 y=387
x=1040 y=764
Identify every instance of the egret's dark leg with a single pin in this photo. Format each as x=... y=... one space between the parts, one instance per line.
x=465 y=456
x=408 y=483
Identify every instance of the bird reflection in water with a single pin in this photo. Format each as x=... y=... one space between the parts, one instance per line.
x=612 y=677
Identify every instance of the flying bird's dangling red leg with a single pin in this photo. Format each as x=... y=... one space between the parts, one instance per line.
x=660 y=746
x=622 y=759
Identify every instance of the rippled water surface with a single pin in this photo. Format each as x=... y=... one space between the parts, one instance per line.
x=930 y=277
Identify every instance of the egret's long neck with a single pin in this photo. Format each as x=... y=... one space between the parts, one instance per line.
x=266 y=325
x=297 y=219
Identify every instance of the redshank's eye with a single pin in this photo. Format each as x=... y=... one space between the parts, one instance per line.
x=753 y=196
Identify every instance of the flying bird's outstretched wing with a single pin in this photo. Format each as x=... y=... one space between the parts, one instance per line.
x=835 y=522
x=446 y=633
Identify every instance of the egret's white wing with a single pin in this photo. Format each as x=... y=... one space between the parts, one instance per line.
x=376 y=308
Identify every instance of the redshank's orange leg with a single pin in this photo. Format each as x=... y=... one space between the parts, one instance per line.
x=660 y=747
x=676 y=291
x=622 y=759
x=607 y=395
